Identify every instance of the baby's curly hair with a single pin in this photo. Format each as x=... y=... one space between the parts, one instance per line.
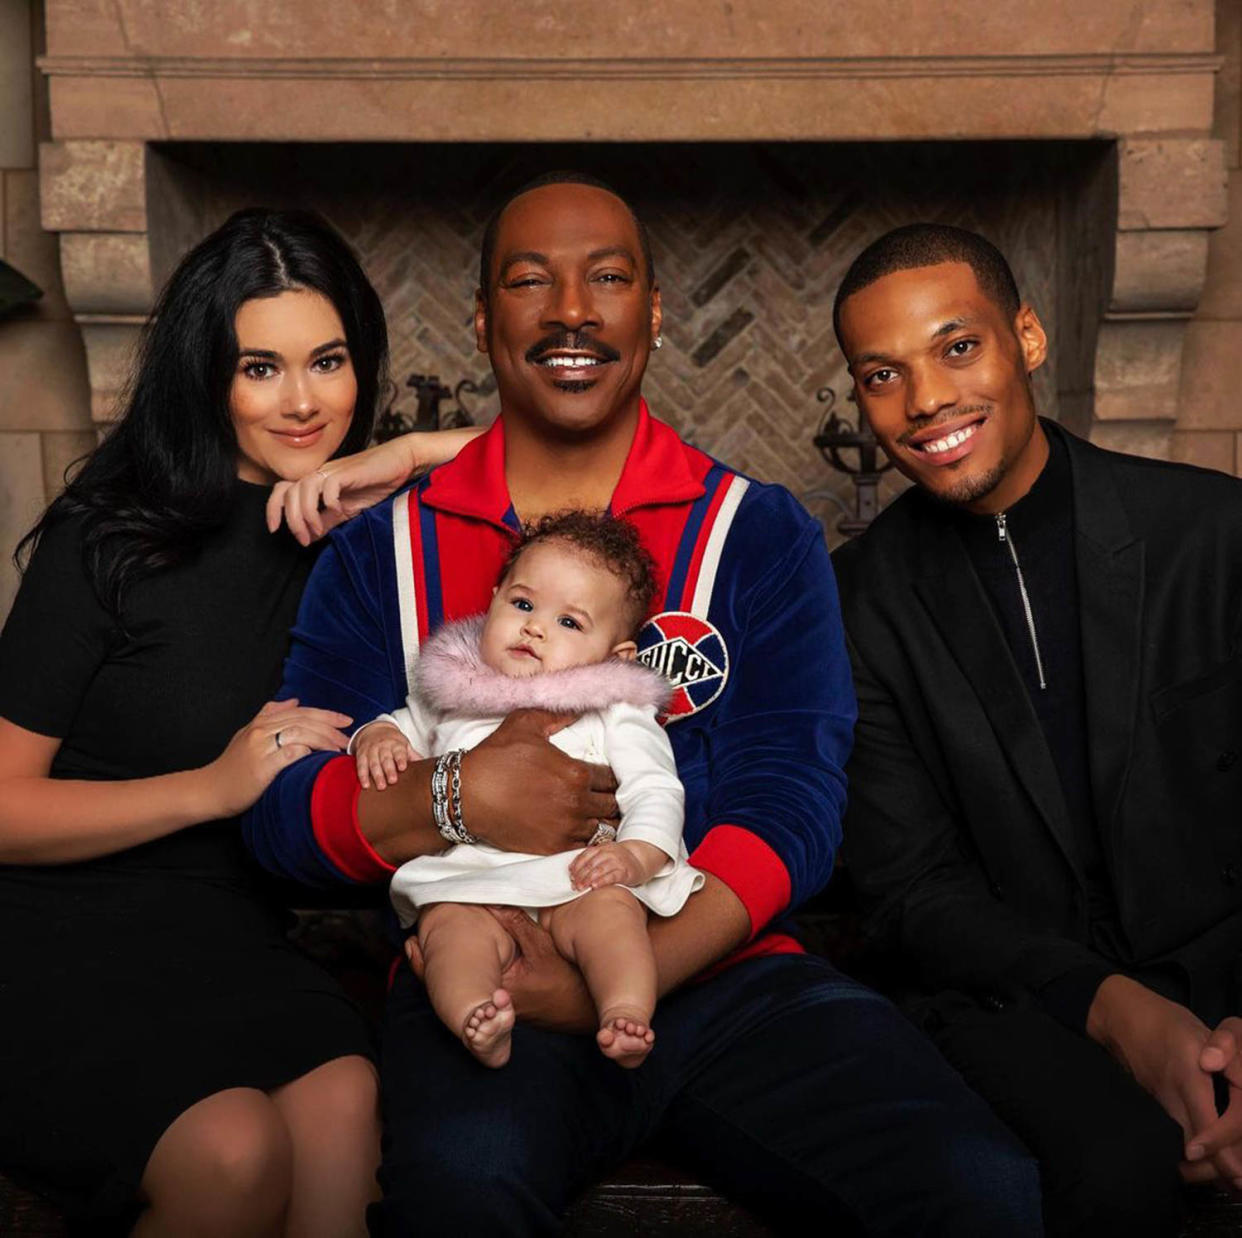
x=610 y=541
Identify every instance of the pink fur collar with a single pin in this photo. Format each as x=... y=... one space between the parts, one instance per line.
x=451 y=677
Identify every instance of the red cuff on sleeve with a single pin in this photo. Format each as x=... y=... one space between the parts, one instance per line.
x=334 y=820
x=749 y=867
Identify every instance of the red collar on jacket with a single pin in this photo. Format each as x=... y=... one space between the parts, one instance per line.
x=659 y=469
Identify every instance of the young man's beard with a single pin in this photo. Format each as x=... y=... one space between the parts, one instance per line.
x=971 y=489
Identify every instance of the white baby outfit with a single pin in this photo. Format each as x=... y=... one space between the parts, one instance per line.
x=458 y=701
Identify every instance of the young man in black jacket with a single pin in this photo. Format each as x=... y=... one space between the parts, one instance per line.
x=1045 y=787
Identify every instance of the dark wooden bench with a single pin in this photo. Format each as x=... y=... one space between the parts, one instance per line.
x=645 y=1196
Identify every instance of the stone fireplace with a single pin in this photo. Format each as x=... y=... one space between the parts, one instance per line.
x=761 y=154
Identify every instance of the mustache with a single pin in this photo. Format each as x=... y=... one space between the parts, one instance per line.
x=571 y=341
x=952 y=414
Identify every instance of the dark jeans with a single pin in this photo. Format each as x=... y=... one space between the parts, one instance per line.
x=1107 y=1152
x=784 y=1084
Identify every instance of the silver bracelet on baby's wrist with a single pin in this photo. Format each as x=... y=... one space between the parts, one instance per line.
x=446 y=798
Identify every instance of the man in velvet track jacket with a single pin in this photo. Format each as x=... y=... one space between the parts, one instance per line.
x=783 y=1082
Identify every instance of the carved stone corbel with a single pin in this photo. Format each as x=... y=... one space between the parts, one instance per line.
x=94 y=194
x=1171 y=193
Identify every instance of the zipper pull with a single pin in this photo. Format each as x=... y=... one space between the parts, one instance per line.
x=1002 y=533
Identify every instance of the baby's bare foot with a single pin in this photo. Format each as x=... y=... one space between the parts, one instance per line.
x=489 y=1029
x=624 y=1038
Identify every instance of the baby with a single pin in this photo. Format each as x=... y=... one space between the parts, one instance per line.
x=558 y=635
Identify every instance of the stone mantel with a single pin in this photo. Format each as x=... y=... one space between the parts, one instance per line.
x=507 y=99
x=124 y=73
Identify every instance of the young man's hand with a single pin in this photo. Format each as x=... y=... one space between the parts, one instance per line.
x=1221 y=1055
x=1173 y=1055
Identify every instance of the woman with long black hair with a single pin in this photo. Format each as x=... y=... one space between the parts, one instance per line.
x=168 y=1062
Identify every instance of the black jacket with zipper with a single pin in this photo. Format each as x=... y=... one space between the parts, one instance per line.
x=957 y=831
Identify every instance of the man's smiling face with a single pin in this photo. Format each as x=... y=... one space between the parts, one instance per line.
x=568 y=317
x=942 y=377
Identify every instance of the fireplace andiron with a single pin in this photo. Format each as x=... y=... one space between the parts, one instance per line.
x=430 y=393
x=835 y=435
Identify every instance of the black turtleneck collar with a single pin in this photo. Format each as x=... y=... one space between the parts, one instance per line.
x=1042 y=516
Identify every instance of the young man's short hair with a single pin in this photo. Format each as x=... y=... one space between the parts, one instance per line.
x=926 y=245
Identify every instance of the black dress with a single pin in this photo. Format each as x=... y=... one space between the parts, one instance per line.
x=134 y=985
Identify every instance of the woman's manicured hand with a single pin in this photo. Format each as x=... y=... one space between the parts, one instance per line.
x=279 y=734
x=339 y=489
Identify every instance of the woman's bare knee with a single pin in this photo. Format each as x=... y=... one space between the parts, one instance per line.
x=224 y=1167
x=342 y=1093
x=332 y=1114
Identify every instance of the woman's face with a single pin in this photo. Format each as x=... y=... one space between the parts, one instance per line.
x=294 y=389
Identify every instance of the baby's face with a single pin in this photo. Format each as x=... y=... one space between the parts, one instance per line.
x=556 y=608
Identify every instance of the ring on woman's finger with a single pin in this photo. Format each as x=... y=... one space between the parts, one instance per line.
x=277 y=737
x=604 y=833
x=321 y=473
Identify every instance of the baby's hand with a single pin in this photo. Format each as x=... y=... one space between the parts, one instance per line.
x=381 y=753
x=610 y=864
